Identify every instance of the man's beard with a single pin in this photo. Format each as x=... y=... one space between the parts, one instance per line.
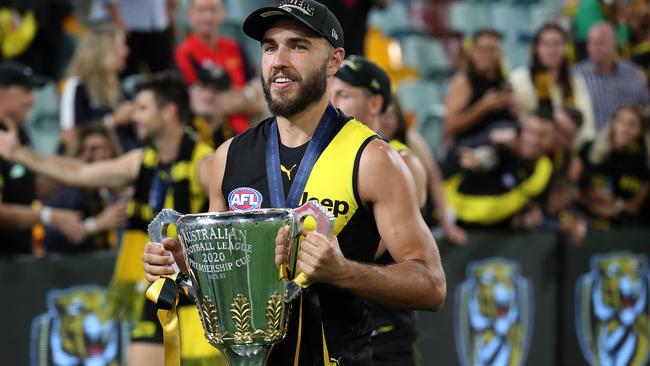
x=310 y=90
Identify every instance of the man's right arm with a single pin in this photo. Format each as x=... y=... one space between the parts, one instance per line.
x=111 y=173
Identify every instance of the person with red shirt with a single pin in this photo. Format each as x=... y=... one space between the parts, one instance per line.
x=206 y=47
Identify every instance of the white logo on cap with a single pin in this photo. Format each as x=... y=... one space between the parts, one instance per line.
x=300 y=5
x=335 y=35
x=351 y=64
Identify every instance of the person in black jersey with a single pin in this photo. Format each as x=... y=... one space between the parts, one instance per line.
x=364 y=183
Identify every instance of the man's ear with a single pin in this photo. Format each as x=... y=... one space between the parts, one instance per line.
x=375 y=102
x=337 y=55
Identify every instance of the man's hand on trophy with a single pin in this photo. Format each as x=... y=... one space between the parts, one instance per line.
x=282 y=246
x=321 y=259
x=158 y=259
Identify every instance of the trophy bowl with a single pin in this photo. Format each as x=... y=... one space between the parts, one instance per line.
x=243 y=297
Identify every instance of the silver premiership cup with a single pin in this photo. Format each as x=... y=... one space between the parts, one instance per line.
x=243 y=298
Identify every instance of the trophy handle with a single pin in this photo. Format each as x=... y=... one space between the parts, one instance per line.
x=155 y=230
x=324 y=225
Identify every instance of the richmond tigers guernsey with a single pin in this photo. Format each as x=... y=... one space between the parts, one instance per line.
x=346 y=324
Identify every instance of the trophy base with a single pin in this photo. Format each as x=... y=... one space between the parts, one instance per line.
x=248 y=355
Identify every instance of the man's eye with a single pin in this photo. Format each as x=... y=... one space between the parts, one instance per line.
x=268 y=49
x=299 y=47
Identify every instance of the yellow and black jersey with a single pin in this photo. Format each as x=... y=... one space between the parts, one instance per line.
x=178 y=187
x=346 y=325
x=492 y=198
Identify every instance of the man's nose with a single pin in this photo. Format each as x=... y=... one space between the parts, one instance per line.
x=281 y=58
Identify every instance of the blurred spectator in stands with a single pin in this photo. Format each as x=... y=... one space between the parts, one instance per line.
x=241 y=98
x=548 y=81
x=479 y=97
x=101 y=209
x=147 y=26
x=498 y=184
x=616 y=176
x=393 y=126
x=641 y=53
x=17 y=184
x=611 y=82
x=353 y=15
x=92 y=90
x=559 y=208
x=588 y=13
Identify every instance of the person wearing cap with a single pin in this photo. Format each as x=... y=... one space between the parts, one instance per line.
x=17 y=184
x=361 y=89
x=316 y=152
x=206 y=47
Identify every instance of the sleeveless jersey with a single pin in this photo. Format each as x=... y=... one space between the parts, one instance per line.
x=346 y=325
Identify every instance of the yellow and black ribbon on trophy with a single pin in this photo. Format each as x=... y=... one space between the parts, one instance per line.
x=164 y=292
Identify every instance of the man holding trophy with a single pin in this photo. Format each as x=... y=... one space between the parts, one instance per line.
x=308 y=152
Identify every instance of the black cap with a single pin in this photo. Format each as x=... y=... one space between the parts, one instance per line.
x=209 y=73
x=14 y=73
x=361 y=72
x=312 y=14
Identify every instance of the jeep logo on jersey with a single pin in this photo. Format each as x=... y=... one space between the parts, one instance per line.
x=336 y=207
x=244 y=199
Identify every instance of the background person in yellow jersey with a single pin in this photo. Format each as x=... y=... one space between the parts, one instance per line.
x=17 y=184
x=361 y=89
x=302 y=49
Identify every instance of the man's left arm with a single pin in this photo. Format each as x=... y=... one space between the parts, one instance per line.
x=416 y=280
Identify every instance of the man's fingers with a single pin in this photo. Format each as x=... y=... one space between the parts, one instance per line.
x=158 y=259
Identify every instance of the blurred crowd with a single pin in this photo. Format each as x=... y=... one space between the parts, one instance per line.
x=559 y=143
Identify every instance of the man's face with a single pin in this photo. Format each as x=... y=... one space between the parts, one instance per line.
x=17 y=102
x=206 y=16
x=536 y=137
x=354 y=101
x=147 y=116
x=295 y=68
x=601 y=45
